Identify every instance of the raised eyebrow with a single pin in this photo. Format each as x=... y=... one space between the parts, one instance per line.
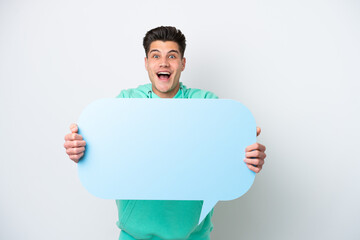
x=174 y=51
x=171 y=51
x=154 y=50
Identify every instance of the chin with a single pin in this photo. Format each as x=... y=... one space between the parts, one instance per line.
x=164 y=90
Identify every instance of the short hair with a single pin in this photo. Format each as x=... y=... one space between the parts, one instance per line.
x=166 y=33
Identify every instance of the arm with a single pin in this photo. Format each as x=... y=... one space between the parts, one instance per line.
x=255 y=155
x=74 y=144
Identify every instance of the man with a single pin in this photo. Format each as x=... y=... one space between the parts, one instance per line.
x=148 y=219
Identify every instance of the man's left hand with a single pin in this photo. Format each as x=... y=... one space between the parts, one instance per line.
x=255 y=155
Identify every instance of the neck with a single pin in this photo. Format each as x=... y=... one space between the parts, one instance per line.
x=169 y=94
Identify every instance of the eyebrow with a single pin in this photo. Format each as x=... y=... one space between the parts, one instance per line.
x=156 y=50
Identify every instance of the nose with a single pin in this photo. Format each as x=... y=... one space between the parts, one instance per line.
x=164 y=62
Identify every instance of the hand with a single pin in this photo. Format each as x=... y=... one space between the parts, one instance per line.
x=74 y=144
x=255 y=155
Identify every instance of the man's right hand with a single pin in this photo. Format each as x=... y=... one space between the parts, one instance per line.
x=74 y=144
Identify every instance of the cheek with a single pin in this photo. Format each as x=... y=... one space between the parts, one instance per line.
x=150 y=70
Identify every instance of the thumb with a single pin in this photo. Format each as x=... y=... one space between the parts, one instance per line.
x=258 y=131
x=74 y=128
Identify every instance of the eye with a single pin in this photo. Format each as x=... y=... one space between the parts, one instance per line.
x=156 y=56
x=172 y=56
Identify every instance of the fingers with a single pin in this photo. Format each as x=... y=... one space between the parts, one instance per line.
x=255 y=146
x=254 y=168
x=75 y=151
x=255 y=154
x=74 y=128
x=255 y=157
x=76 y=157
x=74 y=144
x=256 y=162
x=73 y=136
x=258 y=131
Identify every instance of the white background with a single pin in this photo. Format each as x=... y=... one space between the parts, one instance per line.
x=295 y=64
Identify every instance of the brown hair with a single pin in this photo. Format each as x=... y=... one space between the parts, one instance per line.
x=167 y=33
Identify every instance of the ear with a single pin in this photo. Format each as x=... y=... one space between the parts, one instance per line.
x=146 y=63
x=183 y=62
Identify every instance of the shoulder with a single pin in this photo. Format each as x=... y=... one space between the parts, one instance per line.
x=198 y=93
x=141 y=91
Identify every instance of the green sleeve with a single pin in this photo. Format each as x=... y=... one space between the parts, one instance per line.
x=123 y=94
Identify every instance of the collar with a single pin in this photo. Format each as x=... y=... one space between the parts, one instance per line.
x=179 y=94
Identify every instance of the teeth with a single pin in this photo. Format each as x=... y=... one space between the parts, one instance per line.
x=167 y=73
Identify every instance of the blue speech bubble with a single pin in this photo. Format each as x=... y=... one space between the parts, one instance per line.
x=166 y=149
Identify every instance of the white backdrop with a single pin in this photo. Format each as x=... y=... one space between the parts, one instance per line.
x=295 y=64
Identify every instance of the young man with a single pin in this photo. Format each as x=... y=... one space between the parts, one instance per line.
x=148 y=219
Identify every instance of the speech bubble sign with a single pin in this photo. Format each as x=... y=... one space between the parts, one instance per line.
x=166 y=149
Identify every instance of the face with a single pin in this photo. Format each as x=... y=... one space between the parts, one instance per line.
x=164 y=64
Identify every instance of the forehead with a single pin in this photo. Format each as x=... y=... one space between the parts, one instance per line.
x=164 y=46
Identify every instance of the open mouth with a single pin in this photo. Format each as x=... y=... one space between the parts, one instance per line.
x=163 y=75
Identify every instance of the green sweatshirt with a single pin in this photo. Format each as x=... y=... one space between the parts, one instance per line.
x=163 y=219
